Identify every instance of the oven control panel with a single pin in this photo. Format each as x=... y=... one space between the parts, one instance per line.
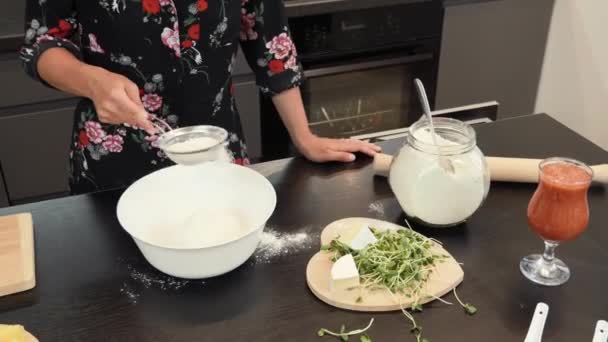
x=366 y=29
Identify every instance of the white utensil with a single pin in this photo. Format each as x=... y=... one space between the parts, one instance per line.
x=445 y=163
x=601 y=331
x=535 y=332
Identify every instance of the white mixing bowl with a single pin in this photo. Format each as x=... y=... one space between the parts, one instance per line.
x=169 y=196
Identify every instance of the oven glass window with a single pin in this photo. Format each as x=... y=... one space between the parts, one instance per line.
x=359 y=102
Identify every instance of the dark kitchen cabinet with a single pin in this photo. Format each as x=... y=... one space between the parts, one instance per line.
x=248 y=104
x=3 y=194
x=493 y=51
x=11 y=19
x=20 y=88
x=34 y=151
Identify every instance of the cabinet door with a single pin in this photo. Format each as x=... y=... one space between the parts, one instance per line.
x=248 y=104
x=3 y=193
x=11 y=20
x=240 y=65
x=493 y=51
x=34 y=151
x=21 y=89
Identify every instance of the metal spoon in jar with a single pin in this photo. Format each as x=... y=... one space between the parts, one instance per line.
x=445 y=163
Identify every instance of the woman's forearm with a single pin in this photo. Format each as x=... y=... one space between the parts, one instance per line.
x=291 y=109
x=59 y=68
x=116 y=98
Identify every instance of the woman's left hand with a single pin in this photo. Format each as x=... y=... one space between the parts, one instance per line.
x=325 y=150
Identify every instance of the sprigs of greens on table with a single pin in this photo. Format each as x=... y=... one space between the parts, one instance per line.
x=401 y=261
x=345 y=335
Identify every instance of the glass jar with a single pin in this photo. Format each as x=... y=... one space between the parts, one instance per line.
x=440 y=185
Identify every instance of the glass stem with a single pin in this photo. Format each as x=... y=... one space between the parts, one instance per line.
x=549 y=254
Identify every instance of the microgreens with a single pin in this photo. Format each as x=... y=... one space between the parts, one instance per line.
x=344 y=335
x=468 y=308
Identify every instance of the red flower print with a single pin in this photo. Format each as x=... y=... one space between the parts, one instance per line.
x=152 y=102
x=64 y=25
x=170 y=38
x=242 y=161
x=187 y=44
x=151 y=6
x=94 y=45
x=141 y=92
x=113 y=143
x=153 y=140
x=202 y=5
x=276 y=66
x=44 y=38
x=194 y=31
x=83 y=140
x=63 y=29
x=281 y=46
x=95 y=133
x=248 y=25
x=291 y=63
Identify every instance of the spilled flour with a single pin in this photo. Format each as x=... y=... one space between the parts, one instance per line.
x=140 y=281
x=130 y=292
x=275 y=244
x=161 y=281
x=377 y=208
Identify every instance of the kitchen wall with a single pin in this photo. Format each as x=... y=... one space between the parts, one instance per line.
x=494 y=51
x=574 y=83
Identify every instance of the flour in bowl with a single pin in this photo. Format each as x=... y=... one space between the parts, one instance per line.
x=206 y=227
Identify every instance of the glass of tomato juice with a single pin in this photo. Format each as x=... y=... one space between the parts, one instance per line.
x=558 y=212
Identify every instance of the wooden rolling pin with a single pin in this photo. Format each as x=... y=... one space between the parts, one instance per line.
x=517 y=170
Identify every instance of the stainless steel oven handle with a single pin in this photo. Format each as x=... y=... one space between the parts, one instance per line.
x=311 y=2
x=367 y=65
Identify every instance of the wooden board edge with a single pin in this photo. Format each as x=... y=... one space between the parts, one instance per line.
x=26 y=231
x=27 y=224
x=29 y=337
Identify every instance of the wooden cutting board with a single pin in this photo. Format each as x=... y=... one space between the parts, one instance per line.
x=28 y=337
x=16 y=254
x=446 y=276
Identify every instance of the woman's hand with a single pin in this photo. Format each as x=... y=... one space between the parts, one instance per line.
x=324 y=150
x=117 y=100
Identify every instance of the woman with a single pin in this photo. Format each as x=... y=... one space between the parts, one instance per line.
x=133 y=60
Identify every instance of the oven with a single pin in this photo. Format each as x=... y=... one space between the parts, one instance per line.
x=359 y=68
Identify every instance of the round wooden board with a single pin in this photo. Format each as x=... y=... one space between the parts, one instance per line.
x=28 y=337
x=446 y=276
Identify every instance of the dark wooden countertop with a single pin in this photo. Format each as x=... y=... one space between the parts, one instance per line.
x=92 y=279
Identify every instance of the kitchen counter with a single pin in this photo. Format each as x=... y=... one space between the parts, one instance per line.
x=94 y=285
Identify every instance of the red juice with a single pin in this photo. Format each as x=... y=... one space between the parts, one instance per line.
x=559 y=209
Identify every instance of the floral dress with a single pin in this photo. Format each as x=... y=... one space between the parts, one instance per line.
x=180 y=53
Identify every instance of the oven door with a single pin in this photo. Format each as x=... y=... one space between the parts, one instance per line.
x=367 y=97
x=350 y=98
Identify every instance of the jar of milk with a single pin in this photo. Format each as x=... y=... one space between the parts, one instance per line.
x=440 y=185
